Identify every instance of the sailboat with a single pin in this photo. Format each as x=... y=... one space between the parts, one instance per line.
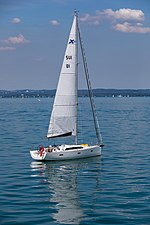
x=64 y=115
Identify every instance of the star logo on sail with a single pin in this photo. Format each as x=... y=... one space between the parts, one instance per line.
x=72 y=41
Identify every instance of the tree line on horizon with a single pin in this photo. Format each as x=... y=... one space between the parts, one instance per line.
x=81 y=93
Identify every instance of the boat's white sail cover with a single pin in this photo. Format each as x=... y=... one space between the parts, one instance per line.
x=63 y=119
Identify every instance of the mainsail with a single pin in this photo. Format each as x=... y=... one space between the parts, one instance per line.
x=63 y=121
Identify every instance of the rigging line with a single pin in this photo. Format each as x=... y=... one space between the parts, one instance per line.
x=80 y=116
x=96 y=123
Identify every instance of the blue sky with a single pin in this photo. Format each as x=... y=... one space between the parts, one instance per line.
x=34 y=33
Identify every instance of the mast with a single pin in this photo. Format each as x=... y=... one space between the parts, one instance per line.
x=96 y=123
x=76 y=137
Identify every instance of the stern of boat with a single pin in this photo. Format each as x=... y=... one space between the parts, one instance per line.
x=35 y=155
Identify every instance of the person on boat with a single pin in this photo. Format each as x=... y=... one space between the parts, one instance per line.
x=41 y=150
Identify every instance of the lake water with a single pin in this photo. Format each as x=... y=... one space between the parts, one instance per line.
x=111 y=189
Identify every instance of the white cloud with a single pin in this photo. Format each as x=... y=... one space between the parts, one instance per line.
x=123 y=20
x=16 y=20
x=91 y=20
x=125 y=14
x=7 y=48
x=121 y=14
x=20 y=39
x=54 y=22
x=129 y=28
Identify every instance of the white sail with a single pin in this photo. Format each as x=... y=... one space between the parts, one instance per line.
x=63 y=121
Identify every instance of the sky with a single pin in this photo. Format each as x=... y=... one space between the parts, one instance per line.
x=34 y=34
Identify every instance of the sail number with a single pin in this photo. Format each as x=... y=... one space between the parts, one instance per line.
x=67 y=65
x=68 y=57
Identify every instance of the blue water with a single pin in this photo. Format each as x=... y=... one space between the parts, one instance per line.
x=111 y=189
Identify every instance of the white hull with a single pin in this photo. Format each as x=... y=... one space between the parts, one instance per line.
x=85 y=152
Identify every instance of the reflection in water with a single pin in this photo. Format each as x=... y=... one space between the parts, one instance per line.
x=62 y=182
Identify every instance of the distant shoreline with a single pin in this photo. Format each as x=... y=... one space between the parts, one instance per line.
x=81 y=93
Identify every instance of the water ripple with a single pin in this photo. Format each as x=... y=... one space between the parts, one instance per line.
x=112 y=189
